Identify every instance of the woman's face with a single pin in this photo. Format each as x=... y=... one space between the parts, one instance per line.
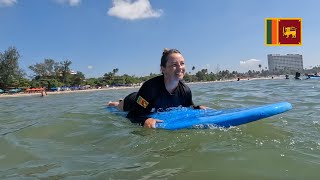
x=175 y=67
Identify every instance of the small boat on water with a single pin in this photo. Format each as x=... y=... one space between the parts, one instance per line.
x=313 y=76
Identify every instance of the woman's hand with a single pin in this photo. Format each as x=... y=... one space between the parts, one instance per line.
x=151 y=123
x=203 y=107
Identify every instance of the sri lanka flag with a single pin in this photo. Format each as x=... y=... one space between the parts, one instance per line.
x=142 y=102
x=283 y=31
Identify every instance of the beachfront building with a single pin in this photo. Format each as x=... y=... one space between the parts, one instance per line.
x=291 y=62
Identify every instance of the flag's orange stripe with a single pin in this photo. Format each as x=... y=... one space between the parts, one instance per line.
x=274 y=31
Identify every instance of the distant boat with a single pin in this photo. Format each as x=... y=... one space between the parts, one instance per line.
x=313 y=77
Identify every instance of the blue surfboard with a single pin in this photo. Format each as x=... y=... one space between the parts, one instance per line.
x=183 y=117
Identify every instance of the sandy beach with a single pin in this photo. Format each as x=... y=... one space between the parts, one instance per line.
x=22 y=94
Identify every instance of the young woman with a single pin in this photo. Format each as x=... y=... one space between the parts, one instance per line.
x=160 y=92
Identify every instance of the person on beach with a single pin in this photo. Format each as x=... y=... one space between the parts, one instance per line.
x=159 y=93
x=43 y=92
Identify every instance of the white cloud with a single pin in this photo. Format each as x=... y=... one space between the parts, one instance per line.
x=69 y=2
x=133 y=10
x=251 y=64
x=7 y=3
x=90 y=67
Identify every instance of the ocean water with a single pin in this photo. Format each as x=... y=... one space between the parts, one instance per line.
x=72 y=136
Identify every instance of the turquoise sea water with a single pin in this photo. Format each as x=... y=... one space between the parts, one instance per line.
x=72 y=136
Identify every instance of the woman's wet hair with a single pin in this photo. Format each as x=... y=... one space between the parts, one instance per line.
x=165 y=54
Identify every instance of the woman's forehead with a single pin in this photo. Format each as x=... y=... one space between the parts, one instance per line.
x=175 y=57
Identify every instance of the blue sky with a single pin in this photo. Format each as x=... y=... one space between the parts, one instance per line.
x=100 y=35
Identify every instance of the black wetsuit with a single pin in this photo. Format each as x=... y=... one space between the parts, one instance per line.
x=153 y=94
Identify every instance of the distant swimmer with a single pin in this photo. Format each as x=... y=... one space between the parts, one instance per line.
x=44 y=92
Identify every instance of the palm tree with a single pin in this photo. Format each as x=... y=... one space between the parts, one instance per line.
x=65 y=69
x=260 y=67
x=115 y=71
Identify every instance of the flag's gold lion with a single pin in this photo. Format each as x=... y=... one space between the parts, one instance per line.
x=287 y=31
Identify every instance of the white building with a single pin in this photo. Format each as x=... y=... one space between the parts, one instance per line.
x=278 y=62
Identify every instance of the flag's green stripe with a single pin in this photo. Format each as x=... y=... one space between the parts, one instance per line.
x=269 y=31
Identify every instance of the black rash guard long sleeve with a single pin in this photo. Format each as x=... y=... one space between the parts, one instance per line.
x=153 y=94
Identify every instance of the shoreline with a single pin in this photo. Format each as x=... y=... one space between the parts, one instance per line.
x=62 y=92
x=116 y=88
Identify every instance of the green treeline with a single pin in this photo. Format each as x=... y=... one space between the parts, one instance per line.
x=51 y=73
